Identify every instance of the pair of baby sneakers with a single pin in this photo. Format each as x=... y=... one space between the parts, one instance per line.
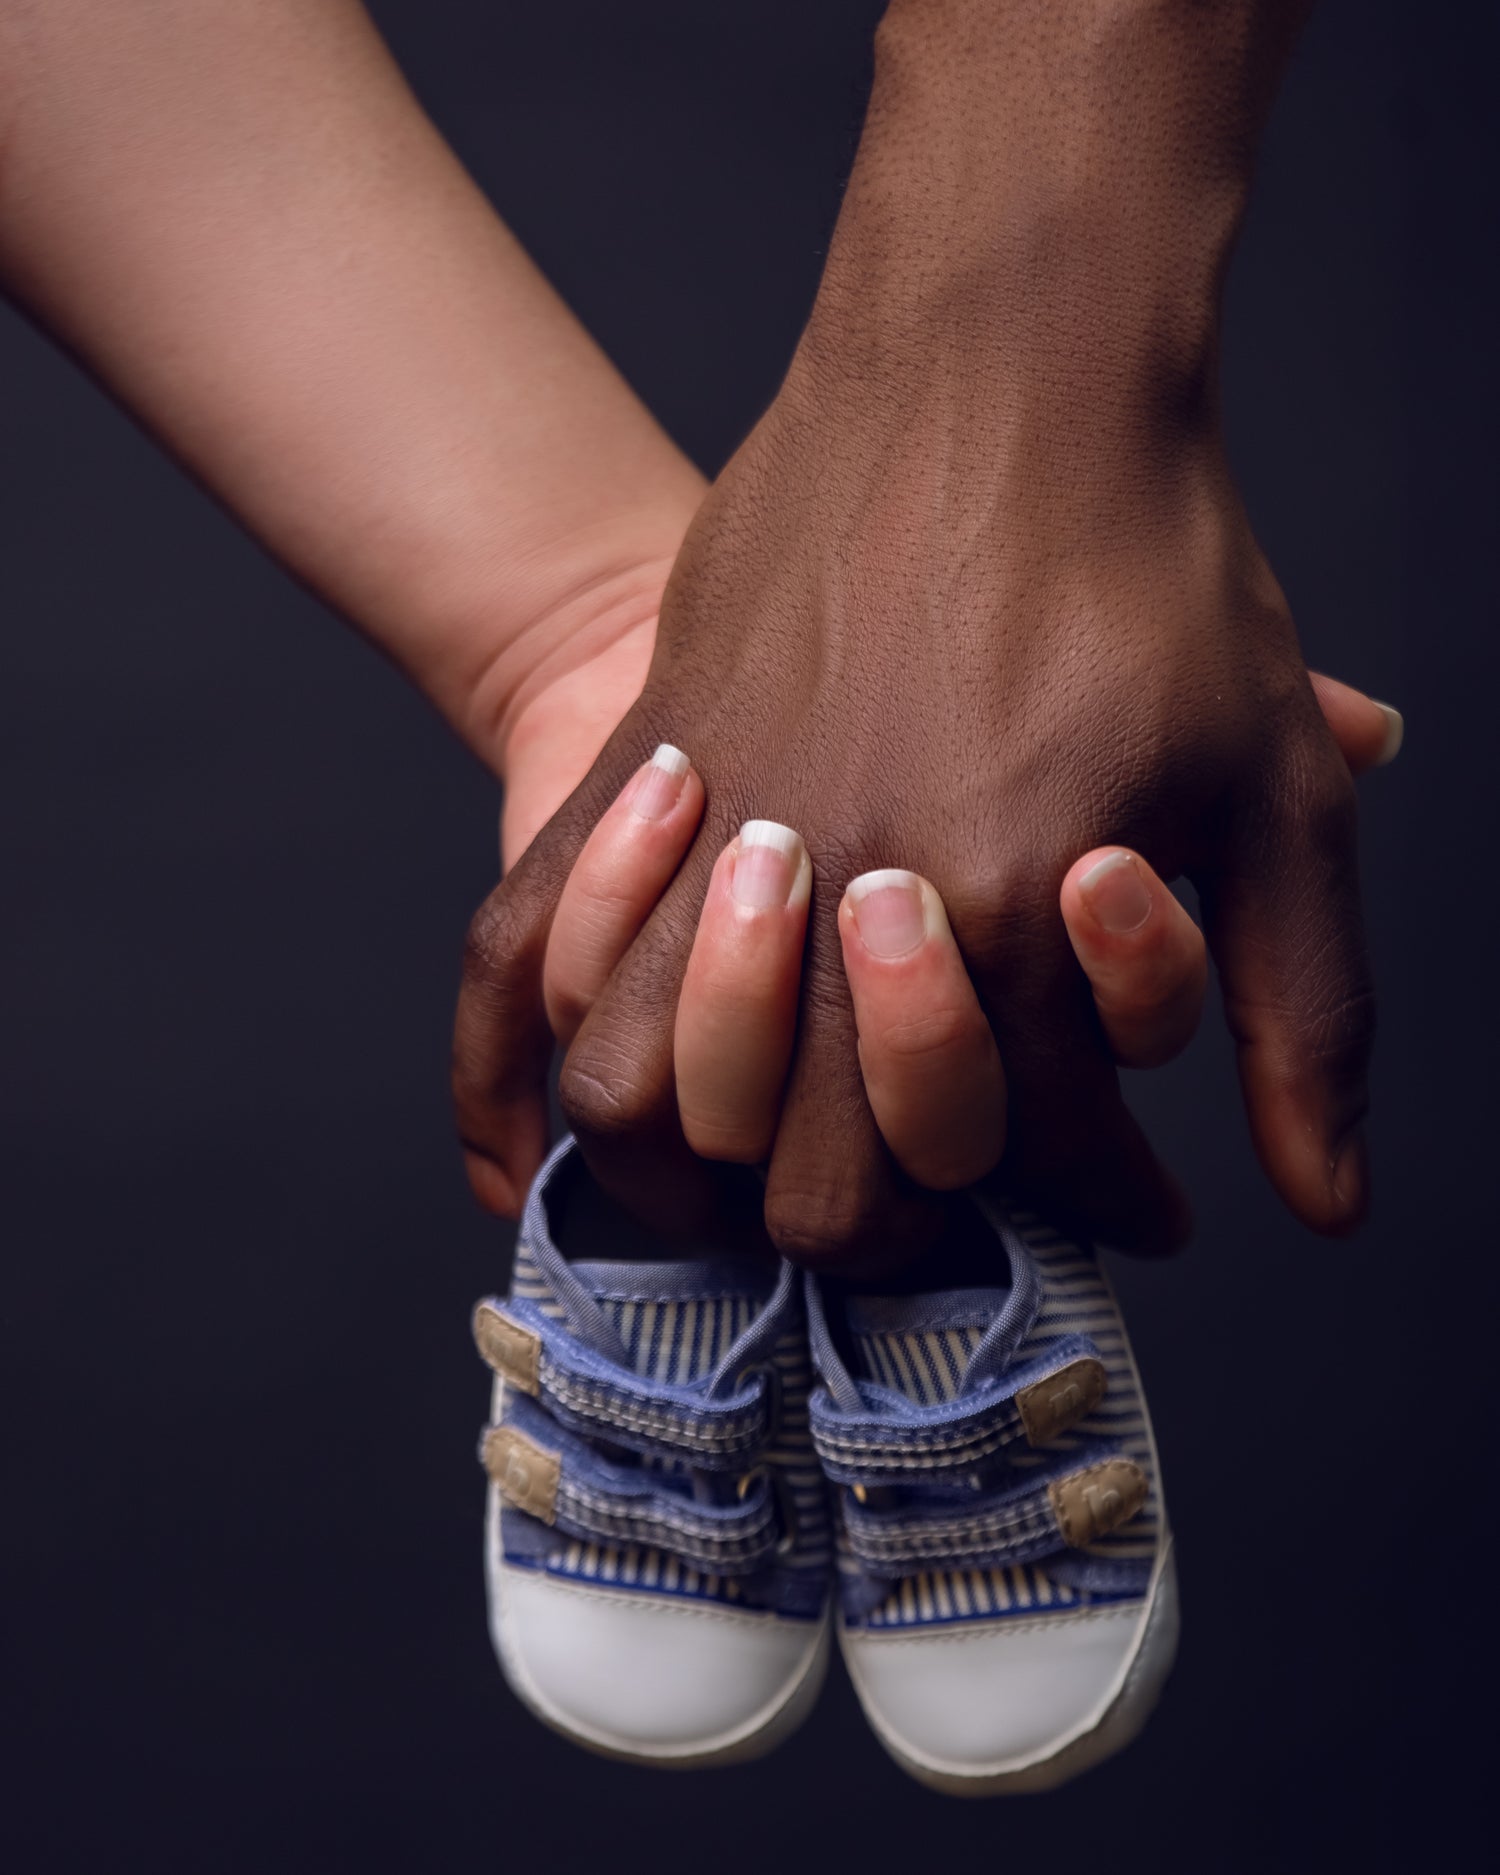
x=699 y=1471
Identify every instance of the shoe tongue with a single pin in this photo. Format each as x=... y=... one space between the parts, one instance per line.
x=677 y=1322
x=674 y=1318
x=958 y=1330
x=922 y=1345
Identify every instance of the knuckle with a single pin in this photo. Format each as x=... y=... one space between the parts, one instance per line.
x=601 y=901
x=1340 y=1034
x=1312 y=803
x=1303 y=1044
x=930 y=1036
x=842 y=850
x=725 y=997
x=728 y=1141
x=821 y=1231
x=496 y=937
x=994 y=910
x=602 y=1099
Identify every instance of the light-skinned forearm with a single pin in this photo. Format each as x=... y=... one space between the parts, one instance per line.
x=236 y=215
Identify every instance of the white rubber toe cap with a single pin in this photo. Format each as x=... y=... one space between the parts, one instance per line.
x=654 y=1676
x=1022 y=1702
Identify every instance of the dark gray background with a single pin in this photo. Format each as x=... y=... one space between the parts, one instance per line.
x=241 y=1534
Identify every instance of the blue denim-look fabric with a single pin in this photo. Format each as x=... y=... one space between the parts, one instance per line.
x=597 y=1397
x=942 y=1500
x=674 y=1397
x=885 y=1435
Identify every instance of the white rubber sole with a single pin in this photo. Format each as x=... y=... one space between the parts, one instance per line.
x=1116 y=1721
x=762 y=1732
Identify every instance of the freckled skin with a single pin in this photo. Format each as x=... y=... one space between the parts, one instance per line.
x=976 y=596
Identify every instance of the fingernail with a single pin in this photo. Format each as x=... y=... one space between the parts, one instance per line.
x=1395 y=733
x=1116 y=894
x=890 y=912
x=769 y=865
x=657 y=788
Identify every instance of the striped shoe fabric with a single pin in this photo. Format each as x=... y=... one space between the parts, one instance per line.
x=1007 y=1594
x=658 y=1539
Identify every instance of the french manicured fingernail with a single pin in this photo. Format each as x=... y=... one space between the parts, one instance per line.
x=657 y=788
x=1395 y=733
x=890 y=911
x=1116 y=894
x=769 y=866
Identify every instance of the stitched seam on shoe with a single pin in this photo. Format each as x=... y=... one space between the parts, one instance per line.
x=935 y=1633
x=948 y=1454
x=675 y=1607
x=658 y=1532
x=598 y=1399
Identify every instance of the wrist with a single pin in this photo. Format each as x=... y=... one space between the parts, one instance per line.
x=1051 y=190
x=490 y=648
x=601 y=609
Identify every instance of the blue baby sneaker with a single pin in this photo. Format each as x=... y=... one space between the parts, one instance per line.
x=1008 y=1598
x=658 y=1545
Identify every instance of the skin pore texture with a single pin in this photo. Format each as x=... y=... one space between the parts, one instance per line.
x=976 y=599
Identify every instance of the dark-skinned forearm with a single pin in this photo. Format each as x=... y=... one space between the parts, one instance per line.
x=1051 y=188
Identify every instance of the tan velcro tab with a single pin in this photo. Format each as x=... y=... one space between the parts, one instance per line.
x=524 y=1473
x=514 y=1352
x=1051 y=1405
x=1092 y=1503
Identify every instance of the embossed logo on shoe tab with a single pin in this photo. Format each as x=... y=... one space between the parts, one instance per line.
x=1093 y=1502
x=513 y=1351
x=1050 y=1405
x=524 y=1473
